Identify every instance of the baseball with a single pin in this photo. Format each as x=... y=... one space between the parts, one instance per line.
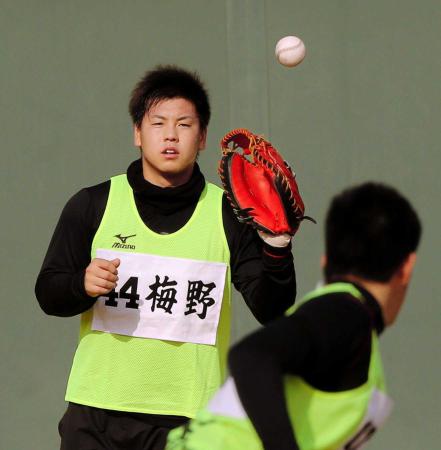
x=290 y=51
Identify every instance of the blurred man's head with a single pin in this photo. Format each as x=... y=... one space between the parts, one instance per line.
x=372 y=233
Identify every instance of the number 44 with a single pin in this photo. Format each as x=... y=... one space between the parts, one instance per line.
x=128 y=291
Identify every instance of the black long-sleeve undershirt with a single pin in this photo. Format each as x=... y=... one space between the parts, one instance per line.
x=264 y=275
x=327 y=342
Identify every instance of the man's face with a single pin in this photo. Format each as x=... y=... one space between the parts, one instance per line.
x=170 y=139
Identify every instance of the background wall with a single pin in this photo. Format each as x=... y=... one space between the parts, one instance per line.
x=365 y=104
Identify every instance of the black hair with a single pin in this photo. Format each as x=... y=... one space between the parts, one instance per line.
x=167 y=82
x=370 y=230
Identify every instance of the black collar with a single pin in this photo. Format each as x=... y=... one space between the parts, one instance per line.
x=169 y=199
x=371 y=303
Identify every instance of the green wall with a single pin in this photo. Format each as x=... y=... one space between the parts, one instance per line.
x=365 y=104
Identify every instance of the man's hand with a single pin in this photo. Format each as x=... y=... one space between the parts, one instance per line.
x=278 y=240
x=101 y=276
x=259 y=184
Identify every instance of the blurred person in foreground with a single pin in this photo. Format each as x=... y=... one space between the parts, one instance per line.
x=313 y=380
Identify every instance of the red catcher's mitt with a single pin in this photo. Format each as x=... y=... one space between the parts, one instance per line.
x=262 y=188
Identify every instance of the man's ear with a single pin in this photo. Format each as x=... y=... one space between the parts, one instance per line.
x=136 y=136
x=323 y=261
x=406 y=269
x=202 y=140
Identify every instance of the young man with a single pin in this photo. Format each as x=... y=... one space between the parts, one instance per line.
x=147 y=258
x=313 y=380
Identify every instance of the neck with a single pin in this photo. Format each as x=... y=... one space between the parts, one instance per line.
x=384 y=293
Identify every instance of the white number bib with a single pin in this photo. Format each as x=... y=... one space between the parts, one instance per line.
x=379 y=409
x=164 y=298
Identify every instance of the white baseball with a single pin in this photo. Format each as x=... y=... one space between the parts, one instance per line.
x=290 y=51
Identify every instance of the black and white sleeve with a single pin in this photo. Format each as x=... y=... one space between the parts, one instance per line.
x=264 y=275
x=60 y=284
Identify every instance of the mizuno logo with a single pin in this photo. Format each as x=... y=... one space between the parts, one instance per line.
x=123 y=243
x=123 y=239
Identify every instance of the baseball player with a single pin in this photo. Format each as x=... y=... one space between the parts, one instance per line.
x=148 y=259
x=313 y=380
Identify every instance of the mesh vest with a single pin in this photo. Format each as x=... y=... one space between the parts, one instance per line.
x=331 y=420
x=321 y=420
x=126 y=373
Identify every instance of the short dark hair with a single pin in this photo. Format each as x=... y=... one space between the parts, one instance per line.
x=370 y=230
x=166 y=82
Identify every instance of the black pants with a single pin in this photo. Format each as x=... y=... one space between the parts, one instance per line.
x=86 y=428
